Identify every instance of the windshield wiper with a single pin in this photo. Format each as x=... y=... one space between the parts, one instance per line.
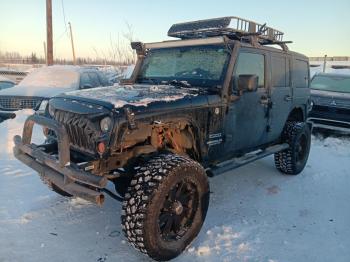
x=179 y=83
x=149 y=80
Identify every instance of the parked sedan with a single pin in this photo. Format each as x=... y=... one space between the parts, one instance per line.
x=46 y=82
x=5 y=83
x=330 y=94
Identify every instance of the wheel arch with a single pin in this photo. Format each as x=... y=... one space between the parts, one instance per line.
x=297 y=114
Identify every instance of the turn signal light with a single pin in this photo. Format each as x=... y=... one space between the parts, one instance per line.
x=101 y=148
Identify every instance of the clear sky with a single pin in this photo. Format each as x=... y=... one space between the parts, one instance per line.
x=317 y=27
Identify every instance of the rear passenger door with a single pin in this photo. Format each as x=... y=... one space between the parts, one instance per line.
x=300 y=82
x=280 y=93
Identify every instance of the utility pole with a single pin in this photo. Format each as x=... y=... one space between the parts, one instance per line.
x=72 y=42
x=324 y=63
x=45 y=52
x=49 y=32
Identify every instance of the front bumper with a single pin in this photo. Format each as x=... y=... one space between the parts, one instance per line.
x=330 y=124
x=57 y=168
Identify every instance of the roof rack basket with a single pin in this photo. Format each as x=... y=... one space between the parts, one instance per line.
x=232 y=27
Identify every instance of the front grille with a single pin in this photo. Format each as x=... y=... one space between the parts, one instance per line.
x=17 y=103
x=332 y=109
x=331 y=113
x=329 y=101
x=81 y=131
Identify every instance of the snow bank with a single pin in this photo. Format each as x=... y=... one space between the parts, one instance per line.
x=256 y=214
x=12 y=127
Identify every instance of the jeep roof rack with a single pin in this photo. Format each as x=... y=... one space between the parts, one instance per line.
x=230 y=26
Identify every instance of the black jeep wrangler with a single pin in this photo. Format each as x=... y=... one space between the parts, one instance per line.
x=217 y=98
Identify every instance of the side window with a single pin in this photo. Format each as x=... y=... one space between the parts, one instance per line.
x=300 y=73
x=84 y=80
x=251 y=64
x=280 y=71
x=94 y=79
x=103 y=79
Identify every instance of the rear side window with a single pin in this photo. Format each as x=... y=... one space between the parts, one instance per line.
x=280 y=71
x=251 y=64
x=84 y=80
x=95 y=81
x=300 y=74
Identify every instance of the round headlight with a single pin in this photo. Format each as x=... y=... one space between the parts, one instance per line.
x=106 y=124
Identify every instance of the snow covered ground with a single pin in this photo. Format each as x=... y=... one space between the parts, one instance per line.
x=255 y=214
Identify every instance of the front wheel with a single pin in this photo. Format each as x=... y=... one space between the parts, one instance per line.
x=165 y=206
x=292 y=161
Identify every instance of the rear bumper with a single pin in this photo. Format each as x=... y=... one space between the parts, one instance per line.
x=325 y=123
x=57 y=169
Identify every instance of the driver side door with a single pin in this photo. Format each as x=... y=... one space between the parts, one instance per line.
x=247 y=118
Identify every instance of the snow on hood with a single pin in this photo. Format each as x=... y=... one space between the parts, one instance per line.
x=52 y=77
x=30 y=91
x=46 y=82
x=136 y=95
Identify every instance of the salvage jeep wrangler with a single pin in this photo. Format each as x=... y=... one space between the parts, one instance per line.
x=218 y=97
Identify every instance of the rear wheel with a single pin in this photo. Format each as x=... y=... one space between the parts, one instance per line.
x=293 y=160
x=165 y=206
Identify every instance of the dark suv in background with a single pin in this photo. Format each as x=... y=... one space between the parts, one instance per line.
x=330 y=94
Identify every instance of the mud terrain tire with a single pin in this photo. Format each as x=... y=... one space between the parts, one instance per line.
x=293 y=160
x=165 y=206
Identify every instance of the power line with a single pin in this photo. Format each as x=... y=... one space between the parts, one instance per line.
x=64 y=17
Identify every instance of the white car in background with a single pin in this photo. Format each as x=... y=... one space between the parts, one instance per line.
x=47 y=82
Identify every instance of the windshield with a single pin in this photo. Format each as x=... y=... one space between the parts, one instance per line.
x=53 y=76
x=197 y=65
x=331 y=83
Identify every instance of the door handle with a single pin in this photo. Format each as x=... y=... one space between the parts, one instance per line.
x=288 y=98
x=264 y=100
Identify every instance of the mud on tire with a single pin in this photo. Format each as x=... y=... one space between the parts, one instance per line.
x=165 y=206
x=293 y=160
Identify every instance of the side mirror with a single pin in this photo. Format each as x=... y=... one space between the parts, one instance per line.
x=248 y=83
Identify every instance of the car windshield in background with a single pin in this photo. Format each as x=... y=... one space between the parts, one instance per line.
x=197 y=65
x=331 y=83
x=55 y=77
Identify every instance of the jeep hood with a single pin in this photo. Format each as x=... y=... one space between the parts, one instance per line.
x=134 y=95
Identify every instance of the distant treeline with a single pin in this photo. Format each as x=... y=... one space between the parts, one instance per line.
x=16 y=58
